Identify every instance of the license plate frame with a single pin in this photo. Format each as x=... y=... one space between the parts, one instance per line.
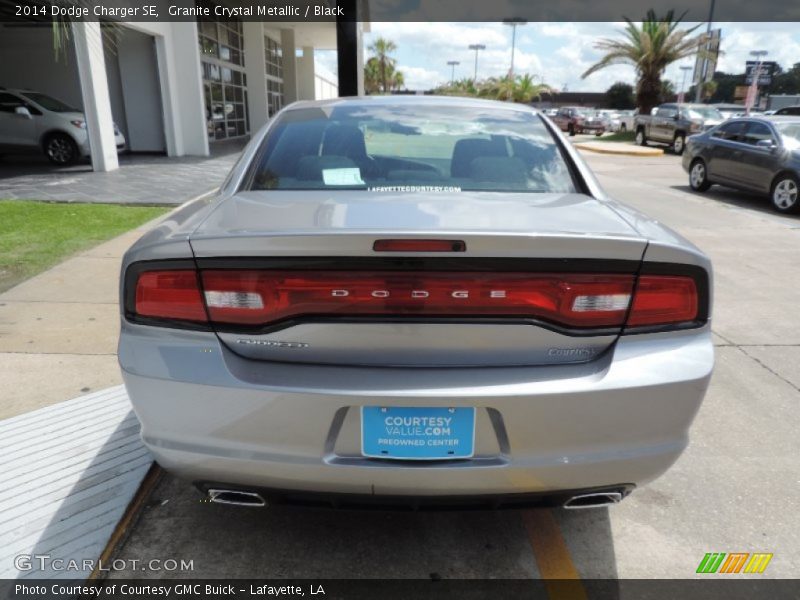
x=430 y=437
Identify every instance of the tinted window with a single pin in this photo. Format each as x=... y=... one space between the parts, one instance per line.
x=50 y=103
x=666 y=112
x=756 y=132
x=789 y=110
x=414 y=147
x=9 y=102
x=730 y=131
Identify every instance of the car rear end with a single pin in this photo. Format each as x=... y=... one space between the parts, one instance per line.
x=417 y=347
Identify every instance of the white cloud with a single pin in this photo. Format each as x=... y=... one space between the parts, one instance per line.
x=420 y=78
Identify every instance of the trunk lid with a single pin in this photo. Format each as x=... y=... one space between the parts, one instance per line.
x=334 y=232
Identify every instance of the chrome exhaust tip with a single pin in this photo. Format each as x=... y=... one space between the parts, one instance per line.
x=594 y=500
x=236 y=497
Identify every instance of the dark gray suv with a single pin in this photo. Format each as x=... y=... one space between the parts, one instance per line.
x=760 y=154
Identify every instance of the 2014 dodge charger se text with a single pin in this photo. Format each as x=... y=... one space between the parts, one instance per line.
x=417 y=301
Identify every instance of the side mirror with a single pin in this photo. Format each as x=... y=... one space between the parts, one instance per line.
x=23 y=111
x=766 y=144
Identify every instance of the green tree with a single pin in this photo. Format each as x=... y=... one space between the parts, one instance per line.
x=381 y=49
x=650 y=49
x=620 y=96
x=667 y=92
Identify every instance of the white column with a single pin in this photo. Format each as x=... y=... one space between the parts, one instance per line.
x=94 y=89
x=360 y=55
x=289 y=66
x=255 y=69
x=305 y=75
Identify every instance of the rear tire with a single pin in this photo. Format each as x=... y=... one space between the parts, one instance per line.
x=623 y=128
x=785 y=194
x=698 y=176
x=598 y=133
x=60 y=149
x=571 y=129
x=679 y=144
x=641 y=138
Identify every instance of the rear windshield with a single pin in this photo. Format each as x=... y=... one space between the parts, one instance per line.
x=704 y=113
x=411 y=148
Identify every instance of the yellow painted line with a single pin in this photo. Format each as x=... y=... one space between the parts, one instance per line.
x=134 y=508
x=602 y=148
x=558 y=572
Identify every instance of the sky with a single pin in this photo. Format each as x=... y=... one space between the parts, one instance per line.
x=558 y=53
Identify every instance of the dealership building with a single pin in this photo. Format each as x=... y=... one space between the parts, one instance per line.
x=180 y=87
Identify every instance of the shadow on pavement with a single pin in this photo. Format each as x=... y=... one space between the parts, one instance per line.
x=734 y=197
x=291 y=542
x=90 y=509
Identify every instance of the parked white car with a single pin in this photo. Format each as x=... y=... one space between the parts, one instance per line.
x=35 y=122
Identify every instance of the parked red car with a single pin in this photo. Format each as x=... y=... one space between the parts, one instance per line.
x=574 y=119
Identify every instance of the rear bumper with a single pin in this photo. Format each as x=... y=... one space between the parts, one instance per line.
x=209 y=415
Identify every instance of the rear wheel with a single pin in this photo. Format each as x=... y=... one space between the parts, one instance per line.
x=571 y=129
x=786 y=194
x=60 y=149
x=598 y=133
x=641 y=138
x=623 y=127
x=679 y=143
x=698 y=176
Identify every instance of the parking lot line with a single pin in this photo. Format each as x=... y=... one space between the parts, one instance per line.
x=555 y=564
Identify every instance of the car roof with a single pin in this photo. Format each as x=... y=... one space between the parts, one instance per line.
x=410 y=100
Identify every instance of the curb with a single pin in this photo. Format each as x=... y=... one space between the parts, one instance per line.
x=621 y=152
x=129 y=518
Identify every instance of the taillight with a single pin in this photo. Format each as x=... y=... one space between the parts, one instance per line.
x=664 y=300
x=244 y=297
x=261 y=297
x=170 y=295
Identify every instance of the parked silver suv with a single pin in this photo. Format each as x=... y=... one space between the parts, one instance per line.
x=35 y=122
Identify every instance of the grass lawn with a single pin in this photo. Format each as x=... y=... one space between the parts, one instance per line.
x=619 y=136
x=37 y=235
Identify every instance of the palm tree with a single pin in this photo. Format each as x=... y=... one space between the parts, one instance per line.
x=398 y=80
x=382 y=48
x=526 y=89
x=372 y=76
x=650 y=49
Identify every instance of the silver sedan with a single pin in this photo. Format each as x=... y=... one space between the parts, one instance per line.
x=760 y=154
x=414 y=300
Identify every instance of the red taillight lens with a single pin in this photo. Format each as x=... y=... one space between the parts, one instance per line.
x=664 y=300
x=170 y=295
x=261 y=297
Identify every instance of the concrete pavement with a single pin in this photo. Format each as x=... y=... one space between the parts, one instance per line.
x=734 y=490
x=141 y=179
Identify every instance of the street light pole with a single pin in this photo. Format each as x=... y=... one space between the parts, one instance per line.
x=513 y=23
x=704 y=63
x=752 y=94
x=685 y=69
x=453 y=64
x=477 y=48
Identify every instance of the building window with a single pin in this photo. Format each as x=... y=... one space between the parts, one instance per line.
x=224 y=80
x=273 y=60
